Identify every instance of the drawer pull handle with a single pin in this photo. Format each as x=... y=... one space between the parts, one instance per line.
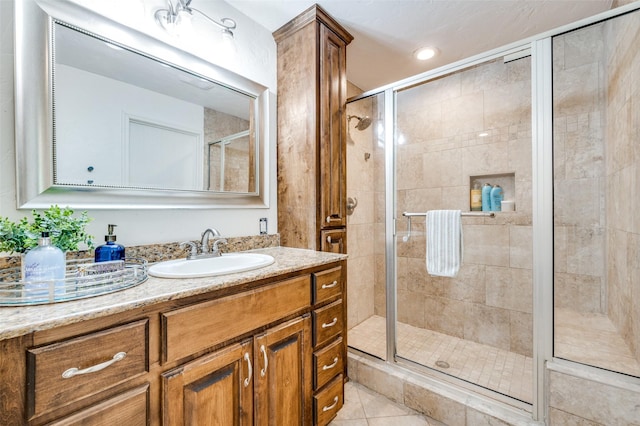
x=332 y=406
x=330 y=366
x=330 y=324
x=332 y=285
x=263 y=371
x=332 y=241
x=250 y=368
x=75 y=371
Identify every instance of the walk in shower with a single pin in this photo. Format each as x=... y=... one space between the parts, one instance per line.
x=472 y=124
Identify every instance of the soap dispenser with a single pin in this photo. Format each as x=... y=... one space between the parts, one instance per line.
x=110 y=250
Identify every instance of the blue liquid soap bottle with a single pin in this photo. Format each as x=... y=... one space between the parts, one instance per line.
x=110 y=250
x=497 y=194
x=486 y=197
x=41 y=265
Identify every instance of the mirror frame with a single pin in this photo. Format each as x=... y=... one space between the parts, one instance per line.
x=34 y=124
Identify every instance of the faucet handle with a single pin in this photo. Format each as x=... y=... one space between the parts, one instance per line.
x=193 y=252
x=216 y=249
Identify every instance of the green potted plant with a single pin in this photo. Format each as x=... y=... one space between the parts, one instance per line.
x=67 y=231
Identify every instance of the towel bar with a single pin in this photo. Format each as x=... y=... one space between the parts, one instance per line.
x=463 y=214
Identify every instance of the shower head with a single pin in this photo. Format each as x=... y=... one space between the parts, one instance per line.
x=363 y=122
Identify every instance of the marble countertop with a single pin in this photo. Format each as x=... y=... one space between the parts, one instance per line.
x=17 y=321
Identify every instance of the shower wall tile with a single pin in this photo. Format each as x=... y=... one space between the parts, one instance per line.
x=445 y=315
x=463 y=114
x=519 y=160
x=419 y=200
x=360 y=240
x=487 y=325
x=521 y=333
x=503 y=104
x=585 y=250
x=486 y=159
x=486 y=244
x=520 y=247
x=577 y=202
x=380 y=296
x=364 y=213
x=580 y=293
x=509 y=288
x=411 y=307
x=467 y=286
x=442 y=169
x=360 y=291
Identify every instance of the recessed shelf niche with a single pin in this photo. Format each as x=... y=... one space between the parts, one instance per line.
x=506 y=180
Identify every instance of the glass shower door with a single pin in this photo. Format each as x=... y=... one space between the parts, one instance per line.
x=366 y=226
x=467 y=128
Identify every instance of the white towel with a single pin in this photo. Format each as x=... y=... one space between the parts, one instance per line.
x=444 y=242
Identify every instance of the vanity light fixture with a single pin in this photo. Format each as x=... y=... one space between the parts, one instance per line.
x=180 y=13
x=425 y=53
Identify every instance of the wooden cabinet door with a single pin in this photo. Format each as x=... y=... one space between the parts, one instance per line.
x=332 y=146
x=215 y=389
x=283 y=374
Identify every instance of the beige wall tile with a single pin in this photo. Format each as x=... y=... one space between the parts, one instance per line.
x=594 y=401
x=487 y=325
x=486 y=244
x=521 y=247
x=509 y=288
x=434 y=405
x=521 y=327
x=445 y=315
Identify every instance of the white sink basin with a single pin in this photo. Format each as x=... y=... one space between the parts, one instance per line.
x=210 y=267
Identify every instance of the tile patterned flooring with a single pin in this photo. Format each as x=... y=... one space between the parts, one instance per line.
x=502 y=371
x=363 y=407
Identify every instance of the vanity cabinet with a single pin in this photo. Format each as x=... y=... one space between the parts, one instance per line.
x=312 y=138
x=245 y=355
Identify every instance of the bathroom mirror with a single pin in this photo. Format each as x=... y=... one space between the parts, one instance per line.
x=107 y=117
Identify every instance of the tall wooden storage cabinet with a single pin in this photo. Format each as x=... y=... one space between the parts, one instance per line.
x=312 y=86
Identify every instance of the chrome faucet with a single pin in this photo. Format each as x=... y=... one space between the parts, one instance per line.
x=204 y=243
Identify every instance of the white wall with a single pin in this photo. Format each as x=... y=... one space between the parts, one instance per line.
x=255 y=59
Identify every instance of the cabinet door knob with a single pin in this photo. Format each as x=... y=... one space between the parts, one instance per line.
x=329 y=407
x=76 y=371
x=332 y=241
x=249 y=367
x=330 y=324
x=263 y=372
x=330 y=366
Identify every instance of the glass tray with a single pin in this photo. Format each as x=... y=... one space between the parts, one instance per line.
x=82 y=279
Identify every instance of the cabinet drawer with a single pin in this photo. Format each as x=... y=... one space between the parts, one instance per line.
x=327 y=284
x=129 y=408
x=327 y=363
x=189 y=330
x=327 y=322
x=327 y=403
x=90 y=364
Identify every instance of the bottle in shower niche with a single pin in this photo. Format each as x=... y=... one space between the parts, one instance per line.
x=476 y=197
x=497 y=194
x=486 y=197
x=44 y=269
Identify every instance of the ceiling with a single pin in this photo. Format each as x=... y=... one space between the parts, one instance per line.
x=387 y=32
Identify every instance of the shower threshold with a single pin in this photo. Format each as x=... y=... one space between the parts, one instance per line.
x=499 y=370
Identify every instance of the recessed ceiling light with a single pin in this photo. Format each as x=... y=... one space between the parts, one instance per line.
x=425 y=53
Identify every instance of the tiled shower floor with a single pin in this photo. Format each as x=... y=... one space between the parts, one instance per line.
x=502 y=371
